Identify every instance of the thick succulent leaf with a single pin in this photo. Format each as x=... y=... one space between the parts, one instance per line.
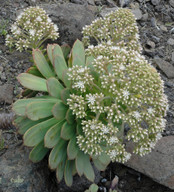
x=19 y=106
x=38 y=152
x=68 y=176
x=78 y=54
x=89 y=61
x=25 y=124
x=88 y=169
x=53 y=135
x=59 y=110
x=60 y=170
x=54 y=87
x=28 y=93
x=57 y=51
x=79 y=130
x=58 y=153
x=50 y=49
x=70 y=117
x=104 y=159
x=65 y=94
x=39 y=109
x=34 y=71
x=32 y=82
x=68 y=131
x=74 y=171
x=36 y=133
x=72 y=149
x=80 y=163
x=93 y=188
x=42 y=64
x=99 y=165
x=65 y=79
x=66 y=50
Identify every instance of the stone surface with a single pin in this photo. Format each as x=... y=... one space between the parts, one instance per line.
x=6 y=93
x=170 y=41
x=171 y=3
x=70 y=18
x=137 y=13
x=159 y=164
x=19 y=174
x=173 y=56
x=155 y=2
x=165 y=66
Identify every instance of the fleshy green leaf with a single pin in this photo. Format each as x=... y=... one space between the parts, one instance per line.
x=93 y=188
x=59 y=110
x=80 y=163
x=104 y=159
x=20 y=105
x=70 y=117
x=38 y=152
x=65 y=79
x=53 y=135
x=99 y=165
x=34 y=71
x=32 y=82
x=39 y=109
x=60 y=170
x=65 y=94
x=78 y=54
x=57 y=51
x=42 y=64
x=58 y=153
x=72 y=148
x=68 y=173
x=50 y=49
x=68 y=131
x=36 y=133
x=79 y=129
x=54 y=87
x=66 y=50
x=88 y=169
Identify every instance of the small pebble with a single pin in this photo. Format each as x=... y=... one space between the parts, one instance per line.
x=163 y=28
x=170 y=41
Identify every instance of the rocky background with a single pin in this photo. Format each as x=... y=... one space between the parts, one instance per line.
x=156 y=24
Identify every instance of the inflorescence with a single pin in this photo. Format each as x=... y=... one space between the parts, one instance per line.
x=31 y=29
x=120 y=89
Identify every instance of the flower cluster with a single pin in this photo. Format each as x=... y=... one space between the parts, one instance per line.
x=119 y=88
x=31 y=29
x=116 y=28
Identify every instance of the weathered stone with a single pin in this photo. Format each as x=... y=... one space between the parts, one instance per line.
x=91 y=2
x=6 y=93
x=170 y=41
x=163 y=28
x=19 y=174
x=70 y=18
x=171 y=3
x=107 y=10
x=137 y=13
x=150 y=44
x=124 y=3
x=159 y=164
x=111 y=3
x=165 y=66
x=173 y=56
x=155 y=2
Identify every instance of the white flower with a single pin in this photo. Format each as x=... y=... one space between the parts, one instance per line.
x=49 y=20
x=91 y=99
x=80 y=85
x=137 y=115
x=158 y=136
x=115 y=48
x=93 y=127
x=18 y=31
x=32 y=32
x=55 y=27
x=28 y=22
x=19 y=16
x=113 y=154
x=38 y=18
x=127 y=156
x=122 y=67
x=109 y=42
x=90 y=46
x=81 y=70
x=113 y=140
x=13 y=27
x=150 y=110
x=126 y=93
x=100 y=57
x=105 y=130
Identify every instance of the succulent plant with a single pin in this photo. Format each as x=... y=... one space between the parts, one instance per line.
x=31 y=29
x=47 y=122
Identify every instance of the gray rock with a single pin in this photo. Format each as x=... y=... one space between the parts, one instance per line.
x=155 y=2
x=70 y=18
x=165 y=66
x=170 y=41
x=145 y=16
x=163 y=28
x=173 y=56
x=150 y=44
x=124 y=3
x=158 y=164
x=6 y=93
x=111 y=3
x=137 y=13
x=107 y=10
x=91 y=2
x=19 y=174
x=171 y=3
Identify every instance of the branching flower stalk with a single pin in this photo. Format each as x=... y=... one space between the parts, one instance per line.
x=31 y=29
x=129 y=91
